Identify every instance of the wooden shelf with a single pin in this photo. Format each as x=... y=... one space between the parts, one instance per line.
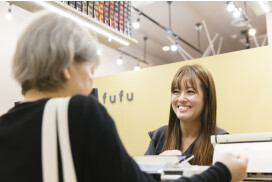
x=118 y=38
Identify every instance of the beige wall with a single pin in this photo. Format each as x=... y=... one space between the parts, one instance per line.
x=244 y=86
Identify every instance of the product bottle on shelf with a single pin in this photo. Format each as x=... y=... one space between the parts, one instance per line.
x=121 y=16
x=79 y=5
x=116 y=15
x=107 y=13
x=85 y=7
x=101 y=11
x=72 y=4
x=91 y=9
x=112 y=14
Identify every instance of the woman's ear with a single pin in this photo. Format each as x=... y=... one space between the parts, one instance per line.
x=66 y=74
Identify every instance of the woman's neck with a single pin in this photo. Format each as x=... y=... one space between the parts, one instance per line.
x=34 y=94
x=190 y=129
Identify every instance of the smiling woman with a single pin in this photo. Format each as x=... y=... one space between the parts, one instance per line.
x=192 y=117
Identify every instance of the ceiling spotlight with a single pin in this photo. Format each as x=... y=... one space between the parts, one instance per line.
x=198 y=26
x=230 y=6
x=174 y=47
x=137 y=68
x=98 y=52
x=251 y=31
x=236 y=13
x=119 y=61
x=136 y=24
x=109 y=39
x=165 y=48
x=8 y=15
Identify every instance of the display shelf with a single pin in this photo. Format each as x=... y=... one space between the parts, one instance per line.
x=101 y=30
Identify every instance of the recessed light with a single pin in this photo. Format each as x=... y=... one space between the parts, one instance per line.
x=165 y=48
x=234 y=36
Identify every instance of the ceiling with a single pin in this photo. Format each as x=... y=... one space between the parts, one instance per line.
x=184 y=16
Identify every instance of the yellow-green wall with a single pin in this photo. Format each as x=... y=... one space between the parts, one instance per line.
x=243 y=82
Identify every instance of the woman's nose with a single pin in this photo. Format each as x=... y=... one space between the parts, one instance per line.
x=182 y=98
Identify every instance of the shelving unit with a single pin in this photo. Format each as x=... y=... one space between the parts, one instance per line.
x=102 y=31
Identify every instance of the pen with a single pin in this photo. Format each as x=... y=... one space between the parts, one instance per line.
x=184 y=160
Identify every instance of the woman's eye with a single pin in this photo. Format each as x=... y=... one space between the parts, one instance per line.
x=175 y=92
x=190 y=91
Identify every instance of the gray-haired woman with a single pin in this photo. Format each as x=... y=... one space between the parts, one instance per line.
x=56 y=57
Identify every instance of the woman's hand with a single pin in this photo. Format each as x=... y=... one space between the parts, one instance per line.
x=171 y=152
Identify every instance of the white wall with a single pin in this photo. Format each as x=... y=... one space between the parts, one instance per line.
x=10 y=31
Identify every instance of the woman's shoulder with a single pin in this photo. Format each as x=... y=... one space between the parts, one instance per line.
x=81 y=101
x=220 y=131
x=158 y=132
x=86 y=106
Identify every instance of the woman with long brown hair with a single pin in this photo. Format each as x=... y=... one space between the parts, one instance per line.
x=192 y=118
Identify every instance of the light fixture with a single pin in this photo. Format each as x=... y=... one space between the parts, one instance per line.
x=119 y=61
x=167 y=29
x=109 y=39
x=234 y=36
x=98 y=52
x=93 y=27
x=251 y=32
x=8 y=15
x=230 y=6
x=264 y=6
x=245 y=33
x=165 y=48
x=169 y=7
x=136 y=24
x=174 y=47
x=137 y=67
x=236 y=13
x=198 y=28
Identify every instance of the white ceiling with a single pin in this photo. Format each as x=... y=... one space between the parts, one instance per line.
x=184 y=16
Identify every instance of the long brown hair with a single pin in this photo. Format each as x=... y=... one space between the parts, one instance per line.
x=203 y=149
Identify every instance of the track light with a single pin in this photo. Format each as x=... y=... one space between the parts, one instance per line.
x=8 y=15
x=174 y=47
x=137 y=68
x=251 y=32
x=236 y=13
x=119 y=61
x=230 y=6
x=98 y=52
x=136 y=24
x=198 y=26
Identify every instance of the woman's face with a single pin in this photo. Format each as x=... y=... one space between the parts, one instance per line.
x=188 y=103
x=81 y=78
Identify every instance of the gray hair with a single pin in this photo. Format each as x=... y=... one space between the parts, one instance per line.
x=48 y=45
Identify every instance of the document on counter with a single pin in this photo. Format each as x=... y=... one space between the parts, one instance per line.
x=156 y=163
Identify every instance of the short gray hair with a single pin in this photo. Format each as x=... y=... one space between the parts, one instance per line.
x=48 y=45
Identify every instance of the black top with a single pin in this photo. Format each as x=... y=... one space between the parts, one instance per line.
x=158 y=138
x=97 y=151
